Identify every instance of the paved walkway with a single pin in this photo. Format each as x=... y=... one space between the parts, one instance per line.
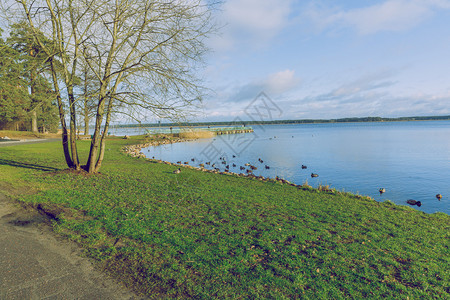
x=4 y=143
x=36 y=264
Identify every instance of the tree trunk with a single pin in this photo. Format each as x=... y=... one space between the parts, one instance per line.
x=34 y=127
x=62 y=118
x=73 y=129
x=86 y=115
x=93 y=153
x=86 y=125
x=86 y=104
x=104 y=135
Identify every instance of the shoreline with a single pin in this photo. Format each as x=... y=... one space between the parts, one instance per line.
x=179 y=235
x=287 y=122
x=135 y=152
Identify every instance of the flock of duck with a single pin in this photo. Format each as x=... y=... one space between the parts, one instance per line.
x=249 y=168
x=411 y=201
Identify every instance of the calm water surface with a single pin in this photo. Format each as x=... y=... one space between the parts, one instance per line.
x=411 y=160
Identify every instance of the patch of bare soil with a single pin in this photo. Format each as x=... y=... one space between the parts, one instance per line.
x=22 y=215
x=16 y=190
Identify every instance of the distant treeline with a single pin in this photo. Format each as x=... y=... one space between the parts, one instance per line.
x=303 y=121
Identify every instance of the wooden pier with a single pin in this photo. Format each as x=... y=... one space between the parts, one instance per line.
x=230 y=130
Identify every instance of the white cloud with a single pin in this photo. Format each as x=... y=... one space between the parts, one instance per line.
x=233 y=98
x=390 y=15
x=274 y=85
x=281 y=82
x=393 y=15
x=373 y=94
x=366 y=83
x=258 y=16
x=254 y=21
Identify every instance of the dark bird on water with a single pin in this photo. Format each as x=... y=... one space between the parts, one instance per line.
x=414 y=202
x=439 y=197
x=267 y=167
x=382 y=190
x=314 y=175
x=177 y=171
x=304 y=167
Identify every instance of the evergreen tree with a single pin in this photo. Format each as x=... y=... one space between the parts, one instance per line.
x=14 y=99
x=41 y=109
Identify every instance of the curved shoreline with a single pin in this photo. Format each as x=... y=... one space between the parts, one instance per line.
x=135 y=151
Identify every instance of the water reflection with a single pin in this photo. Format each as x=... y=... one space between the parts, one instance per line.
x=410 y=159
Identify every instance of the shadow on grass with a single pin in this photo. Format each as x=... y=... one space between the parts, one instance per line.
x=26 y=166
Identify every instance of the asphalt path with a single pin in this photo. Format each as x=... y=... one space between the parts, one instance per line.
x=6 y=143
x=35 y=263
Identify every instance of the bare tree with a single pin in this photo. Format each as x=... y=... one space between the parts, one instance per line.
x=144 y=54
x=89 y=88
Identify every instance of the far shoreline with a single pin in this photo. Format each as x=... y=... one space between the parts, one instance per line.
x=286 y=122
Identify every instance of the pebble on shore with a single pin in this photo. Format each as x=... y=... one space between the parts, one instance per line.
x=135 y=151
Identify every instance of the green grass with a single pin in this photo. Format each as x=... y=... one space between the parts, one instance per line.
x=206 y=235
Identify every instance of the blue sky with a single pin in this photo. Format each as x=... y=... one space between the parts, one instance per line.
x=330 y=59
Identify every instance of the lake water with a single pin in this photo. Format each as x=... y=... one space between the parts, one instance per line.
x=411 y=160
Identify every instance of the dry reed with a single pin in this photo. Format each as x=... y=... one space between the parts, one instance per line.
x=197 y=134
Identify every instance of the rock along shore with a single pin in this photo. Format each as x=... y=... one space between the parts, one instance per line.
x=135 y=151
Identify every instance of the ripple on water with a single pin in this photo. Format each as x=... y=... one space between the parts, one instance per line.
x=410 y=159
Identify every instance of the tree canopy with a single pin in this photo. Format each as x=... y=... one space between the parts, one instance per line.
x=25 y=94
x=143 y=55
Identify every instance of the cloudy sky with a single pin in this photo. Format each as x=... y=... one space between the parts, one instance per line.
x=331 y=59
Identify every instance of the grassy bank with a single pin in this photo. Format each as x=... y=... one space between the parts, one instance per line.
x=206 y=235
